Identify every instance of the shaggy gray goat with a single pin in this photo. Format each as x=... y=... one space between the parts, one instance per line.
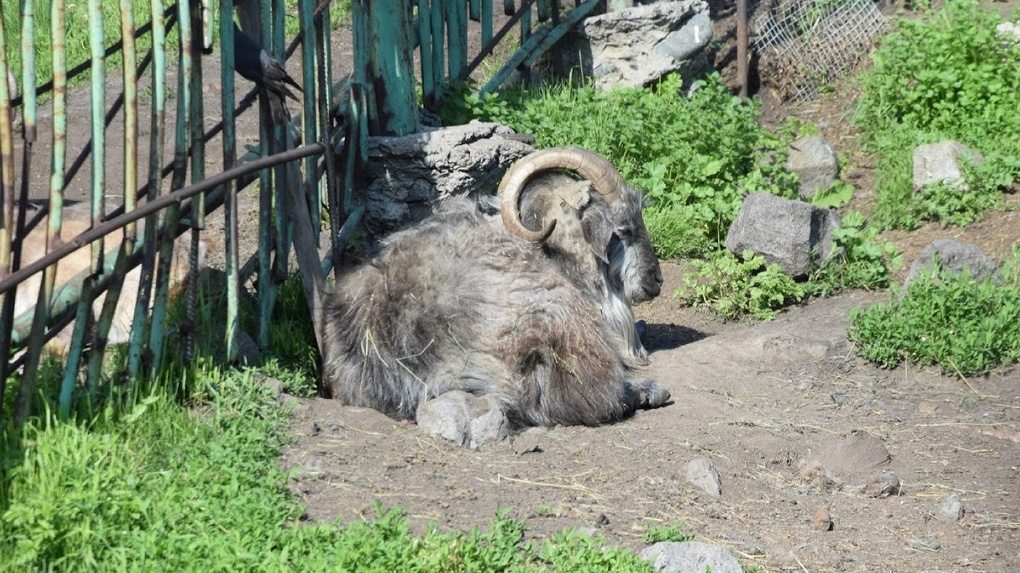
x=535 y=311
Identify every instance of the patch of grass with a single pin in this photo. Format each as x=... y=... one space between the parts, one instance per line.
x=170 y=488
x=948 y=75
x=671 y=532
x=77 y=30
x=944 y=319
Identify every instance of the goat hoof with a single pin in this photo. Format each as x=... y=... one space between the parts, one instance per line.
x=651 y=395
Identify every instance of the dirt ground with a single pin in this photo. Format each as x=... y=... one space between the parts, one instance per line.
x=773 y=406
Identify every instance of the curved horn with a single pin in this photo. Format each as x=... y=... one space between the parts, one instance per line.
x=604 y=177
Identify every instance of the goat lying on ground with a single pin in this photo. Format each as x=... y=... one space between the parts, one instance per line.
x=536 y=311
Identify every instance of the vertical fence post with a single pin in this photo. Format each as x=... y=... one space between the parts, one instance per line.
x=385 y=28
x=156 y=135
x=7 y=195
x=229 y=158
x=130 y=149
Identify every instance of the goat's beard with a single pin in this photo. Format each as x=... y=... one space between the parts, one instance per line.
x=622 y=281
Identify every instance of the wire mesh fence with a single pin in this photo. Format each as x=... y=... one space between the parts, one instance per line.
x=805 y=44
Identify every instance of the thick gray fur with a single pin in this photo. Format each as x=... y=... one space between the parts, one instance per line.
x=458 y=303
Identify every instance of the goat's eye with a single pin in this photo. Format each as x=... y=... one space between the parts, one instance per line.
x=624 y=232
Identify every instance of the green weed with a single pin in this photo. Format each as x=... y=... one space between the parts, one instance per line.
x=946 y=76
x=944 y=319
x=734 y=286
x=671 y=532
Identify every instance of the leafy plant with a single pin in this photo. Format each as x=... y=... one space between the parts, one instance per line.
x=945 y=319
x=858 y=260
x=739 y=286
x=672 y=532
x=949 y=75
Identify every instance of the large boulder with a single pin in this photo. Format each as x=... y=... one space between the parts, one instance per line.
x=792 y=234
x=637 y=46
x=406 y=176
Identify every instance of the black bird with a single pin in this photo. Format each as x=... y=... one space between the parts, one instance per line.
x=255 y=64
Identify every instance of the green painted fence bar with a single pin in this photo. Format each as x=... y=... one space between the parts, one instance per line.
x=156 y=137
x=130 y=150
x=58 y=34
x=7 y=195
x=229 y=157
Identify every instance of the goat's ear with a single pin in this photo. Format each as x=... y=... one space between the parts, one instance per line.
x=597 y=229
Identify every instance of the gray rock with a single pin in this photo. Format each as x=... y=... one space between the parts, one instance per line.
x=795 y=235
x=406 y=176
x=489 y=425
x=636 y=46
x=529 y=441
x=885 y=484
x=702 y=473
x=942 y=163
x=1009 y=31
x=954 y=257
x=464 y=419
x=446 y=417
x=690 y=557
x=815 y=163
x=926 y=544
x=951 y=508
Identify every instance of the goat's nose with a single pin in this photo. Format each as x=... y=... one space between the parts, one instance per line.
x=658 y=277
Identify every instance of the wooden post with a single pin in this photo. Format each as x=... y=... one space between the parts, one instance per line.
x=742 y=46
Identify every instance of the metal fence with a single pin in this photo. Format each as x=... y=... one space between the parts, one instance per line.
x=807 y=43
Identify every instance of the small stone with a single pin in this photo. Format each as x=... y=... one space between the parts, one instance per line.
x=884 y=484
x=927 y=407
x=928 y=544
x=702 y=473
x=529 y=441
x=822 y=520
x=951 y=508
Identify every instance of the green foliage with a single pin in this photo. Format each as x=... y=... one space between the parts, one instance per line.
x=947 y=76
x=671 y=532
x=695 y=158
x=735 y=287
x=836 y=195
x=944 y=319
x=858 y=260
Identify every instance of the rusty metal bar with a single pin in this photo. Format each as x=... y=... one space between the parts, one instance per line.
x=742 y=46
